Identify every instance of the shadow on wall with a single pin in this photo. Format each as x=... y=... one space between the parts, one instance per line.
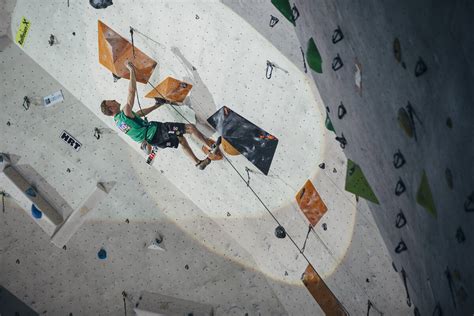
x=200 y=99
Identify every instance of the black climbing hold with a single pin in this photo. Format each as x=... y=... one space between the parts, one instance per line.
x=100 y=4
x=64 y=247
x=295 y=13
x=401 y=247
x=449 y=122
x=273 y=20
x=404 y=277
x=397 y=50
x=197 y=17
x=186 y=267
x=337 y=36
x=400 y=187
x=26 y=103
x=97 y=133
x=286 y=272
x=367 y=280
x=420 y=67
x=52 y=40
x=416 y=312
x=322 y=165
x=469 y=203
x=8 y=123
x=334 y=170
x=401 y=220
x=228 y=214
x=337 y=63
x=325 y=226
x=437 y=310
x=342 y=141
x=68 y=170
x=304 y=60
x=341 y=111
x=269 y=71
x=127 y=221
x=17 y=261
x=327 y=109
x=280 y=232
x=460 y=237
x=449 y=178
x=74 y=33
x=398 y=159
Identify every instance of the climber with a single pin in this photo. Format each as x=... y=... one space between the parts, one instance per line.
x=159 y=134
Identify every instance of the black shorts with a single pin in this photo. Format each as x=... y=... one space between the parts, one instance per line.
x=166 y=134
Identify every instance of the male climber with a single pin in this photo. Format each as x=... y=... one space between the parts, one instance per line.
x=158 y=134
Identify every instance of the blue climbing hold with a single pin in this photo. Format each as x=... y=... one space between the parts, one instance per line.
x=102 y=254
x=31 y=192
x=36 y=212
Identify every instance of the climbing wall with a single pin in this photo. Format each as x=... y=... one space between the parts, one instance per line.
x=401 y=110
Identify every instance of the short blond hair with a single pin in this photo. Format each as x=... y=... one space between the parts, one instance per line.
x=104 y=108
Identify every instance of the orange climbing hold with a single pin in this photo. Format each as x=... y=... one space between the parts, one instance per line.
x=114 y=51
x=321 y=293
x=311 y=203
x=171 y=89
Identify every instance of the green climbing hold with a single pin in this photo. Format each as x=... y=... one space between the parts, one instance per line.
x=357 y=183
x=313 y=57
x=328 y=123
x=424 y=196
x=284 y=7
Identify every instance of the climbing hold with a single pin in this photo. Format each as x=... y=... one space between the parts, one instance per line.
x=73 y=33
x=397 y=50
x=460 y=237
x=437 y=310
x=17 y=261
x=171 y=90
x=394 y=266
x=313 y=57
x=401 y=220
x=280 y=232
x=114 y=50
x=469 y=203
x=102 y=254
x=286 y=273
x=420 y=67
x=337 y=36
x=254 y=143
x=8 y=123
x=68 y=170
x=310 y=203
x=334 y=170
x=325 y=226
x=322 y=165
x=295 y=13
x=273 y=20
x=341 y=111
x=26 y=103
x=400 y=187
x=284 y=7
x=35 y=212
x=31 y=192
x=342 y=141
x=52 y=40
x=424 y=196
x=337 y=63
x=328 y=123
x=100 y=4
x=127 y=221
x=358 y=76
x=404 y=277
x=449 y=178
x=228 y=214
x=357 y=183
x=186 y=267
x=449 y=122
x=269 y=70
x=398 y=159
x=229 y=149
x=64 y=247
x=401 y=247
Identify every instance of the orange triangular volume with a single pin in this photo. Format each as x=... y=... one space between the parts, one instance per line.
x=310 y=203
x=115 y=51
x=171 y=89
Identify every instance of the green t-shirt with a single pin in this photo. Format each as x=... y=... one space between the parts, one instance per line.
x=136 y=127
